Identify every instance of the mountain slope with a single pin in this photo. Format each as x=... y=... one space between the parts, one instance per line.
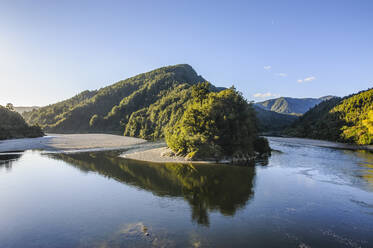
x=288 y=105
x=141 y=106
x=132 y=106
x=348 y=119
x=12 y=125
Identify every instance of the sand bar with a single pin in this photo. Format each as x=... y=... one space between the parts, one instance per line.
x=159 y=155
x=154 y=155
x=65 y=142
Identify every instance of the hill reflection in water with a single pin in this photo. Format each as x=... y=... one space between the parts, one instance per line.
x=206 y=187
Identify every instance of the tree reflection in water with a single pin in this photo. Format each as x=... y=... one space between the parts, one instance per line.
x=206 y=187
x=366 y=166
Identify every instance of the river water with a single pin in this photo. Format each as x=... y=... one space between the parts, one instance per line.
x=302 y=196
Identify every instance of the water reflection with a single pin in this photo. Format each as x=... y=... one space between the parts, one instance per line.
x=7 y=160
x=205 y=187
x=366 y=164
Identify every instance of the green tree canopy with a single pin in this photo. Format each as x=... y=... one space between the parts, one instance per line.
x=215 y=125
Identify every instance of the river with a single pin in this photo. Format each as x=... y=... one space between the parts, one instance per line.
x=302 y=196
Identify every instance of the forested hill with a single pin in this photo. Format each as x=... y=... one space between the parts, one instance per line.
x=139 y=106
x=288 y=105
x=12 y=125
x=348 y=119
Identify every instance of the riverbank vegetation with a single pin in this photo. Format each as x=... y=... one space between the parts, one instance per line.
x=347 y=119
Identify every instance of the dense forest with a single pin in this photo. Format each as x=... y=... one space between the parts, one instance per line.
x=216 y=125
x=12 y=125
x=291 y=106
x=348 y=119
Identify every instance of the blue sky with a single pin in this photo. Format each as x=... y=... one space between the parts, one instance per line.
x=52 y=50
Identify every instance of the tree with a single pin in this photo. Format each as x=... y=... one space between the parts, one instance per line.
x=200 y=91
x=368 y=123
x=93 y=120
x=10 y=106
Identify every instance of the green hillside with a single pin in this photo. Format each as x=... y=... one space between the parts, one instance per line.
x=289 y=105
x=142 y=106
x=12 y=125
x=139 y=106
x=349 y=119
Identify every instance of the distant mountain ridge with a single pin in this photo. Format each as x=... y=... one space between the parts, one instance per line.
x=292 y=106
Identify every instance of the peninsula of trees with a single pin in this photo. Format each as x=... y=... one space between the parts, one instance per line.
x=217 y=125
x=198 y=119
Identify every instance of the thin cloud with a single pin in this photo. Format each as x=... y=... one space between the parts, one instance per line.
x=265 y=95
x=267 y=67
x=282 y=74
x=307 y=79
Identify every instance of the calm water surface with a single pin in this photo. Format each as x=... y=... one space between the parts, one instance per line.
x=303 y=196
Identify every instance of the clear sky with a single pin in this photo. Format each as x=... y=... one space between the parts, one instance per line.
x=52 y=50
